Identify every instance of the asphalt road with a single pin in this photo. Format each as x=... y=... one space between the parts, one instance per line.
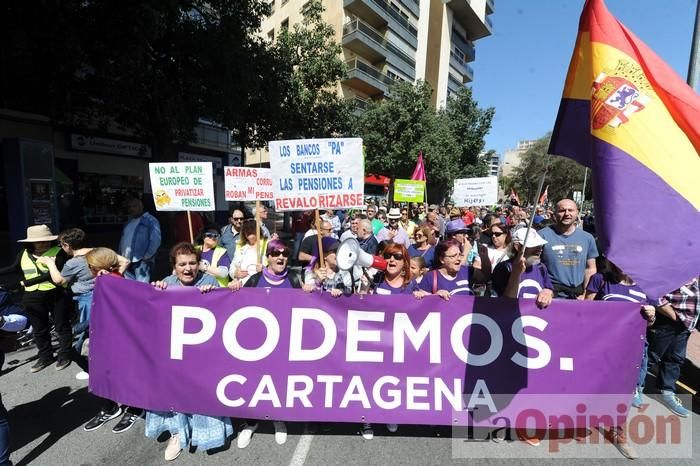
x=47 y=411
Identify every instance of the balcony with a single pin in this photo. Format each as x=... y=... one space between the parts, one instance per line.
x=360 y=104
x=378 y=13
x=466 y=16
x=367 y=79
x=369 y=43
x=490 y=7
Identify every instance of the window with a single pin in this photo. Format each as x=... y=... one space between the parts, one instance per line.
x=284 y=25
x=271 y=35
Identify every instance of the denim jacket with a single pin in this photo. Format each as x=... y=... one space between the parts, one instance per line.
x=146 y=239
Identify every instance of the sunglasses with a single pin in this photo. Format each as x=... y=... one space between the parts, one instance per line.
x=211 y=235
x=279 y=252
x=397 y=256
x=495 y=233
x=239 y=219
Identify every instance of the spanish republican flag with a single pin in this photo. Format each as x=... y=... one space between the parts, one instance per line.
x=631 y=119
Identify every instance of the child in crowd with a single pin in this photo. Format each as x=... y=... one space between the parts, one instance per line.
x=418 y=268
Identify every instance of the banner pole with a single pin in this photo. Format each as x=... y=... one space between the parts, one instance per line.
x=320 y=242
x=257 y=234
x=189 y=224
x=536 y=203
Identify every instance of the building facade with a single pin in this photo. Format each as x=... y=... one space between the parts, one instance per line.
x=512 y=157
x=385 y=41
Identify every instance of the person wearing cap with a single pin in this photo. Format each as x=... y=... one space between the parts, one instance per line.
x=457 y=230
x=214 y=260
x=393 y=231
x=524 y=276
x=455 y=213
x=140 y=241
x=42 y=298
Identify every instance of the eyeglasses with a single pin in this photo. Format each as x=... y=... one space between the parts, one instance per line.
x=237 y=219
x=279 y=252
x=211 y=235
x=452 y=256
x=397 y=256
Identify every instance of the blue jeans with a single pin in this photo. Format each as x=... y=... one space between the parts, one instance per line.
x=643 y=366
x=81 y=328
x=667 y=347
x=4 y=437
x=140 y=271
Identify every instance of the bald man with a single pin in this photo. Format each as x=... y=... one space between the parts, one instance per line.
x=569 y=253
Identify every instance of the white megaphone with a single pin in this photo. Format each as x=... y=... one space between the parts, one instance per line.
x=350 y=254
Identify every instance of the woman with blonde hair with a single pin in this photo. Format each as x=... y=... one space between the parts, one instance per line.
x=250 y=256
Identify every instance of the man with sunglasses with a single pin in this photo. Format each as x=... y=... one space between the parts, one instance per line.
x=231 y=232
x=393 y=231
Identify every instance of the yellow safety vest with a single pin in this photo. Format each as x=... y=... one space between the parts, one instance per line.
x=218 y=254
x=32 y=269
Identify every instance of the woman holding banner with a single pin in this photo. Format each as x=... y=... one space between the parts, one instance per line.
x=275 y=275
x=204 y=432
x=247 y=261
x=451 y=278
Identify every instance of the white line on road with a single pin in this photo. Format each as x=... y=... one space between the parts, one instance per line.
x=302 y=449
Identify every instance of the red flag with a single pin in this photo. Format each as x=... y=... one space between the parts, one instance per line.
x=419 y=171
x=544 y=196
x=514 y=199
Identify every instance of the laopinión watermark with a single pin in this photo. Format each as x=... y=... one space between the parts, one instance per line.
x=570 y=426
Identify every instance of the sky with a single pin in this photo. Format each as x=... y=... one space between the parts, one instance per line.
x=520 y=69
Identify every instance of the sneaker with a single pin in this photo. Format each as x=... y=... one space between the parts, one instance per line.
x=392 y=427
x=617 y=437
x=41 y=364
x=245 y=435
x=102 y=417
x=280 y=432
x=672 y=402
x=62 y=364
x=82 y=375
x=173 y=449
x=367 y=432
x=498 y=435
x=637 y=398
x=127 y=421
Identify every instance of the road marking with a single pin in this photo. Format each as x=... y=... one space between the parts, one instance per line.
x=302 y=449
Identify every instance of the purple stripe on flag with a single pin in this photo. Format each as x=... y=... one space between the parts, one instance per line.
x=572 y=132
x=644 y=226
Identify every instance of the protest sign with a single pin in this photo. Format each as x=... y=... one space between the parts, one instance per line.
x=317 y=173
x=475 y=191
x=409 y=191
x=182 y=186
x=248 y=184
x=288 y=355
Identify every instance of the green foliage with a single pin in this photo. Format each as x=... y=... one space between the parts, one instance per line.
x=396 y=129
x=564 y=176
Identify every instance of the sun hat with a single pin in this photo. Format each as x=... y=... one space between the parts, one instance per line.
x=37 y=233
x=533 y=238
x=456 y=226
x=394 y=213
x=455 y=212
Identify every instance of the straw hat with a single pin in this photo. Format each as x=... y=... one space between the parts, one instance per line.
x=37 y=233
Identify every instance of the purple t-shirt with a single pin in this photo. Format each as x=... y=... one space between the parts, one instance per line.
x=264 y=283
x=385 y=289
x=459 y=285
x=224 y=261
x=533 y=280
x=615 y=291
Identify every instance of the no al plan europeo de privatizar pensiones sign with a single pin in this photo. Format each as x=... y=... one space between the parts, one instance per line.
x=317 y=173
x=182 y=186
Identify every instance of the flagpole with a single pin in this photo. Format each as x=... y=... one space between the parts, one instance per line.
x=583 y=192
x=694 y=65
x=536 y=203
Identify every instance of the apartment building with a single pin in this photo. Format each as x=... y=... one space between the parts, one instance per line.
x=398 y=40
x=513 y=157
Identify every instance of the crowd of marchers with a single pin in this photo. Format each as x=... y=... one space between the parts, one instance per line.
x=499 y=251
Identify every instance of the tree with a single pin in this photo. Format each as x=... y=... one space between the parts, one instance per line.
x=396 y=129
x=564 y=176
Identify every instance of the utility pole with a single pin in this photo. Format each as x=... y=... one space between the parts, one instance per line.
x=694 y=65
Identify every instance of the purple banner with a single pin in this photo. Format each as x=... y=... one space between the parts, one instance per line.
x=289 y=355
